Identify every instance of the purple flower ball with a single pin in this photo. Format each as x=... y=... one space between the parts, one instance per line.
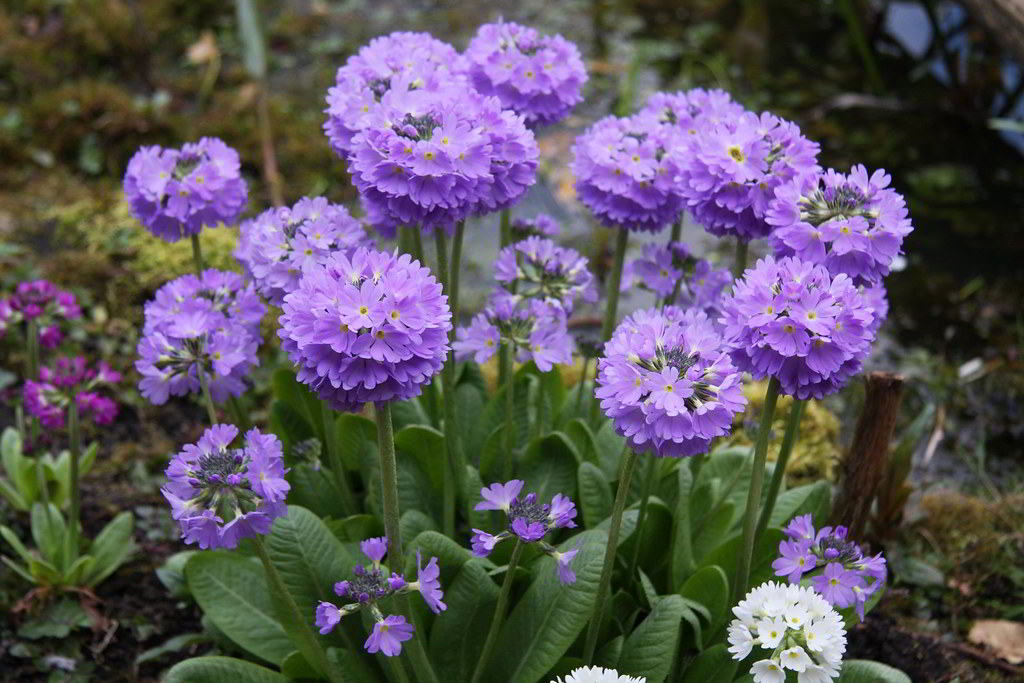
x=668 y=383
x=539 y=269
x=174 y=193
x=625 y=174
x=537 y=76
x=431 y=158
x=541 y=225
x=854 y=224
x=535 y=331
x=791 y=320
x=674 y=274
x=70 y=379
x=281 y=244
x=729 y=169
x=42 y=302
x=688 y=109
x=368 y=326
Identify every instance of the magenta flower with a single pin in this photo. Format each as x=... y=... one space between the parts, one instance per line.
x=388 y=635
x=40 y=301
x=70 y=379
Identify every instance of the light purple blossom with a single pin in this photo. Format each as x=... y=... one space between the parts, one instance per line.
x=499 y=496
x=541 y=225
x=428 y=583
x=327 y=617
x=388 y=635
x=563 y=565
x=375 y=549
x=538 y=269
x=686 y=110
x=534 y=330
x=674 y=274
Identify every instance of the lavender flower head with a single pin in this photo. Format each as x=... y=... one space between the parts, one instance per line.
x=625 y=173
x=433 y=157
x=174 y=193
x=528 y=520
x=220 y=495
x=840 y=572
x=71 y=379
x=369 y=326
x=791 y=320
x=414 y=59
x=371 y=585
x=535 y=331
x=541 y=225
x=689 y=109
x=281 y=244
x=193 y=325
x=729 y=169
x=43 y=303
x=538 y=269
x=540 y=77
x=668 y=383
x=854 y=224
x=674 y=274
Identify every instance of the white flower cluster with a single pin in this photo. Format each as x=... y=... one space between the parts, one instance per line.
x=799 y=629
x=595 y=674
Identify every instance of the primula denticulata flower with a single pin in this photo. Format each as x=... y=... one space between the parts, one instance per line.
x=673 y=273
x=43 y=303
x=70 y=379
x=788 y=628
x=596 y=674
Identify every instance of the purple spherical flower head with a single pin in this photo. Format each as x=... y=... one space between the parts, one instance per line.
x=541 y=225
x=536 y=330
x=625 y=174
x=42 y=302
x=369 y=326
x=688 y=109
x=428 y=583
x=540 y=77
x=499 y=496
x=673 y=273
x=220 y=495
x=853 y=224
x=668 y=383
x=281 y=244
x=791 y=320
x=208 y=324
x=537 y=268
x=432 y=158
x=729 y=169
x=388 y=635
x=176 y=192
x=70 y=379
x=416 y=59
x=875 y=298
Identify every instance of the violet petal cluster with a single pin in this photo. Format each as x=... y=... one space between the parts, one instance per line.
x=534 y=330
x=175 y=192
x=668 y=382
x=71 y=379
x=538 y=76
x=529 y=521
x=541 y=225
x=840 y=572
x=854 y=224
x=44 y=303
x=791 y=320
x=625 y=173
x=689 y=109
x=537 y=268
x=729 y=169
x=281 y=244
x=431 y=158
x=193 y=325
x=370 y=585
x=674 y=274
x=219 y=494
x=366 y=326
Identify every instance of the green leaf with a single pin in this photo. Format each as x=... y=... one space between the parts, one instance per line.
x=709 y=587
x=549 y=617
x=426 y=446
x=112 y=548
x=657 y=527
x=295 y=667
x=220 y=669
x=609 y=449
x=48 y=532
x=57 y=621
x=595 y=494
x=714 y=528
x=170 y=646
x=10 y=447
x=254 y=51
x=650 y=648
x=172 y=573
x=408 y=413
x=814 y=499
x=472 y=483
x=299 y=398
x=232 y=592
x=682 y=563
x=15 y=542
x=713 y=665
x=765 y=552
x=13 y=496
x=550 y=467
x=315 y=490
x=866 y=671
x=412 y=524
x=289 y=424
x=492 y=455
x=355 y=528
x=357 y=439
x=458 y=637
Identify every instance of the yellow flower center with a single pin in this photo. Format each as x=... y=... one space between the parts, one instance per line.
x=736 y=153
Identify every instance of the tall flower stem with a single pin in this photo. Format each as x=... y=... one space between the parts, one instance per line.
x=510 y=401
x=204 y=385
x=448 y=376
x=741 y=257
x=677 y=231
x=197 y=255
x=75 y=446
x=334 y=458
x=604 y=583
x=796 y=412
x=505 y=225
x=414 y=237
x=32 y=367
x=764 y=431
x=499 y=612
x=645 y=496
x=388 y=481
x=612 y=309
x=582 y=383
x=301 y=630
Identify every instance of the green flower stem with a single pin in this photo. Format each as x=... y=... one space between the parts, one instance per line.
x=32 y=368
x=499 y=612
x=580 y=386
x=197 y=255
x=415 y=240
x=448 y=385
x=741 y=257
x=204 y=385
x=612 y=309
x=510 y=401
x=604 y=584
x=677 y=231
x=796 y=412
x=75 y=444
x=417 y=653
x=506 y=227
x=388 y=482
x=301 y=630
x=334 y=458
x=649 y=476
x=764 y=430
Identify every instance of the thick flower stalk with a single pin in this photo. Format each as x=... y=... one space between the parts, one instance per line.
x=281 y=244
x=373 y=584
x=668 y=382
x=219 y=494
x=529 y=521
x=366 y=327
x=729 y=169
x=788 y=628
x=541 y=225
x=71 y=381
x=43 y=305
x=176 y=192
x=839 y=571
x=791 y=320
x=538 y=269
x=538 y=76
x=414 y=59
x=853 y=224
x=199 y=334
x=431 y=158
x=596 y=674
x=674 y=274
